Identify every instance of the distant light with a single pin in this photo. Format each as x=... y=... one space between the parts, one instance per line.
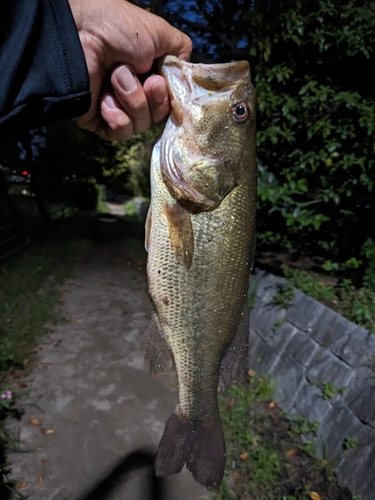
x=24 y=172
x=24 y=191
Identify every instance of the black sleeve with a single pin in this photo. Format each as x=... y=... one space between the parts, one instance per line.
x=43 y=73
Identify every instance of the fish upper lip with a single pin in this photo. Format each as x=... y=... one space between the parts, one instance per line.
x=186 y=80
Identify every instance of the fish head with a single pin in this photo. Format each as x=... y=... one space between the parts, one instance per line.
x=208 y=145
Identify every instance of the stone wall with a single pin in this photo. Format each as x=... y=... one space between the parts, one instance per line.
x=311 y=352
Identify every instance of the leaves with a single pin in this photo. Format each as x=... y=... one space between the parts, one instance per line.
x=34 y=421
x=314 y=124
x=291 y=453
x=358 y=305
x=315 y=496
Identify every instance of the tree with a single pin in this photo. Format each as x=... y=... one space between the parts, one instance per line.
x=310 y=63
x=66 y=164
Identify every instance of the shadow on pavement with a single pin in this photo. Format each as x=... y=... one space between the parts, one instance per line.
x=136 y=460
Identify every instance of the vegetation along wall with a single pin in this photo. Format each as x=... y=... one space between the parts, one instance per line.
x=324 y=370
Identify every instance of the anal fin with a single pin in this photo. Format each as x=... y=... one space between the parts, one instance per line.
x=158 y=358
x=234 y=364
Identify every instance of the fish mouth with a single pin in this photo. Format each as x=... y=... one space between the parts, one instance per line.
x=188 y=82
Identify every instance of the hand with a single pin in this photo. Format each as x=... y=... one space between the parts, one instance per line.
x=121 y=41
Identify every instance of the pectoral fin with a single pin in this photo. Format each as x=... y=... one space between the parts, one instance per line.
x=234 y=364
x=158 y=358
x=148 y=229
x=180 y=233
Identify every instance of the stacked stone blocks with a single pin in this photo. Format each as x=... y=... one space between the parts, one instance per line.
x=306 y=348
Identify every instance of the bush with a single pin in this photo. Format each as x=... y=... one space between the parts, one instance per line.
x=316 y=123
x=7 y=356
x=311 y=63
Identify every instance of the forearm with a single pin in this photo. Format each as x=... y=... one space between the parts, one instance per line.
x=43 y=74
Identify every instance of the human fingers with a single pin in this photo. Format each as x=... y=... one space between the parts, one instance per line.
x=115 y=124
x=119 y=31
x=157 y=96
x=131 y=97
x=172 y=41
x=159 y=39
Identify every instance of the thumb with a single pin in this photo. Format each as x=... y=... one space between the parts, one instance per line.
x=171 y=41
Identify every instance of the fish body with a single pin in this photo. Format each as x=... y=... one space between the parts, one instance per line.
x=200 y=239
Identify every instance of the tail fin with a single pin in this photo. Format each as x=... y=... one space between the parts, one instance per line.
x=200 y=445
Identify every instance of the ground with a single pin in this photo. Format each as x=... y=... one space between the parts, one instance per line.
x=93 y=416
x=89 y=401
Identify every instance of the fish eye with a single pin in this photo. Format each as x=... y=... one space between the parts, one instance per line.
x=240 y=112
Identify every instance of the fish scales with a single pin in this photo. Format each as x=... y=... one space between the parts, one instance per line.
x=193 y=323
x=199 y=285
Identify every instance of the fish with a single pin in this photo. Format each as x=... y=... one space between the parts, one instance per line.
x=200 y=237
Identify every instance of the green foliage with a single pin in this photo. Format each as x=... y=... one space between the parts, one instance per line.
x=351 y=263
x=67 y=163
x=260 y=440
x=224 y=493
x=125 y=166
x=316 y=122
x=6 y=402
x=329 y=390
x=368 y=251
x=29 y=294
x=277 y=324
x=310 y=64
x=261 y=462
x=358 y=305
x=310 y=284
x=284 y=296
x=309 y=448
x=350 y=443
x=360 y=301
x=301 y=426
x=7 y=357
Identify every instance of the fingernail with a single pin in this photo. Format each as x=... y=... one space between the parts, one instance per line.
x=126 y=79
x=109 y=101
x=159 y=93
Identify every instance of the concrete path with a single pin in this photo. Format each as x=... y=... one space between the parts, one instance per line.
x=96 y=401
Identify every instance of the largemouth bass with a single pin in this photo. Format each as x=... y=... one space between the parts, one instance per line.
x=200 y=240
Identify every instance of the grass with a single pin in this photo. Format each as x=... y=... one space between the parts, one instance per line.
x=29 y=298
x=356 y=304
x=266 y=458
x=29 y=293
x=329 y=390
x=284 y=296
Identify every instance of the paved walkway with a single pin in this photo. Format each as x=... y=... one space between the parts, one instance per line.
x=97 y=403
